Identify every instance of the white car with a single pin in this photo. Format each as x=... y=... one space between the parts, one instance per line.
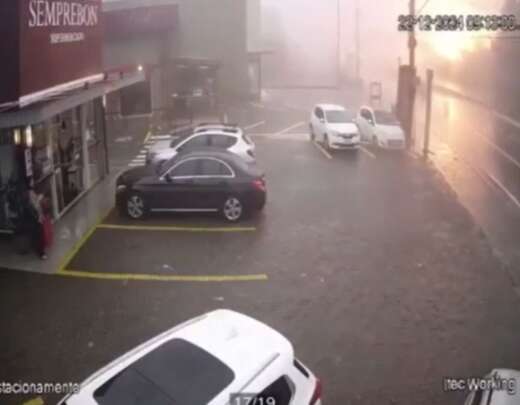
x=219 y=358
x=334 y=126
x=218 y=136
x=504 y=389
x=381 y=128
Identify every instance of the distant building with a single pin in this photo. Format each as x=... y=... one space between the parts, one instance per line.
x=195 y=49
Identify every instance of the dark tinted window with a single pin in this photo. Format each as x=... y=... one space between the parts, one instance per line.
x=177 y=372
x=301 y=368
x=319 y=113
x=188 y=168
x=340 y=116
x=200 y=141
x=211 y=167
x=222 y=141
x=279 y=390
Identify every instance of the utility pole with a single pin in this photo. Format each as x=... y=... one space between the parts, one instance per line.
x=429 y=86
x=412 y=44
x=358 y=42
x=412 y=41
x=338 y=42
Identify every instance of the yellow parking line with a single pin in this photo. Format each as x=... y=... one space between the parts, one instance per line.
x=327 y=154
x=76 y=248
x=164 y=278
x=174 y=228
x=35 y=401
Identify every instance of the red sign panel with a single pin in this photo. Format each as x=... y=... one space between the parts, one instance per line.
x=59 y=41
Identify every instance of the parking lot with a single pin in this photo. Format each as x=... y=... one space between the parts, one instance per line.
x=364 y=260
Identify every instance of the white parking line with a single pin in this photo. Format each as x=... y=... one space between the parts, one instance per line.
x=160 y=137
x=298 y=124
x=254 y=125
x=501 y=151
x=320 y=148
x=367 y=152
x=501 y=186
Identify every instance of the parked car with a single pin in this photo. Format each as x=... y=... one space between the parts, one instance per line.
x=381 y=128
x=219 y=136
x=505 y=393
x=334 y=126
x=208 y=180
x=219 y=358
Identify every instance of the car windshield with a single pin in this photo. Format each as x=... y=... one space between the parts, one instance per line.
x=385 y=118
x=178 y=372
x=340 y=116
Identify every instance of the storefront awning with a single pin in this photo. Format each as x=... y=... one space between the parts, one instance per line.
x=56 y=104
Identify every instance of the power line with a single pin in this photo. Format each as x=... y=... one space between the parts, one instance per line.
x=423 y=6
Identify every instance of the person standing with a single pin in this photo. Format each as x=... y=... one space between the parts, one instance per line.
x=36 y=219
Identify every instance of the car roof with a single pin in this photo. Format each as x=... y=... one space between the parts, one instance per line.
x=248 y=347
x=209 y=151
x=235 y=132
x=331 y=107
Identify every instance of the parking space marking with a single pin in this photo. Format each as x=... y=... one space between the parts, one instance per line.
x=164 y=278
x=35 y=401
x=254 y=125
x=283 y=131
x=77 y=247
x=322 y=150
x=174 y=228
x=367 y=152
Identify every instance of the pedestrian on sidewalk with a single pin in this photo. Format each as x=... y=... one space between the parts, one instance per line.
x=37 y=221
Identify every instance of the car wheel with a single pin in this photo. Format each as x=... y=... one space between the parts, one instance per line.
x=136 y=206
x=233 y=209
x=311 y=132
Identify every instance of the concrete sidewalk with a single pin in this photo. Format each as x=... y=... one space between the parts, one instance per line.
x=74 y=227
x=69 y=231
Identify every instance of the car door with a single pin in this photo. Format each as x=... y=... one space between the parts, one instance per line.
x=320 y=124
x=176 y=188
x=213 y=183
x=364 y=124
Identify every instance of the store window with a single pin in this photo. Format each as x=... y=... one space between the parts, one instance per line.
x=8 y=176
x=69 y=163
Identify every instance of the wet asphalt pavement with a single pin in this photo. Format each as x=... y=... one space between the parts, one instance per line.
x=373 y=269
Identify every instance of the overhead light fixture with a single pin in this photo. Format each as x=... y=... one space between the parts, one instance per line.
x=140 y=68
x=28 y=136
x=17 y=136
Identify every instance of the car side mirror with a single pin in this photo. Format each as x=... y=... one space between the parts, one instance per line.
x=371 y=121
x=322 y=120
x=168 y=178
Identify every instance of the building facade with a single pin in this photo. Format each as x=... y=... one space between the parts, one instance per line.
x=52 y=109
x=191 y=49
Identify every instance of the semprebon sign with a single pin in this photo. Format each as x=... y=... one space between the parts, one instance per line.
x=55 y=43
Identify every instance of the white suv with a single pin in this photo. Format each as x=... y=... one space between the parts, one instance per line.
x=219 y=136
x=219 y=358
x=334 y=126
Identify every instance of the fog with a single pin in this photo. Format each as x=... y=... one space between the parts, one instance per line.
x=303 y=34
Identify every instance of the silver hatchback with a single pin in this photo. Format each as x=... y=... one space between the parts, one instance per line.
x=219 y=136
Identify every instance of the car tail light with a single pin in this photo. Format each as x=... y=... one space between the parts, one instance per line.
x=317 y=392
x=259 y=184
